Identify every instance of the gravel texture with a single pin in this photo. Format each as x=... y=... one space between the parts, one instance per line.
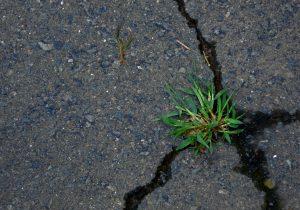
x=258 y=48
x=77 y=128
x=207 y=182
x=283 y=156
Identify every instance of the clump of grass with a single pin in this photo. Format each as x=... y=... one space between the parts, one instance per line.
x=202 y=116
x=123 y=44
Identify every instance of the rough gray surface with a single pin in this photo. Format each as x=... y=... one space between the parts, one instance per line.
x=258 y=48
x=206 y=182
x=77 y=128
x=283 y=155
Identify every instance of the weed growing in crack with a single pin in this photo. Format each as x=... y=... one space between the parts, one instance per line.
x=202 y=116
x=123 y=44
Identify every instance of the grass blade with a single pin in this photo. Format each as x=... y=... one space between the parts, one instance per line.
x=227 y=137
x=191 y=104
x=201 y=141
x=185 y=143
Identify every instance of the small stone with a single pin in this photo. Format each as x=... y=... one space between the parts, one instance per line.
x=219 y=32
x=144 y=153
x=269 y=183
x=104 y=184
x=45 y=47
x=182 y=70
x=116 y=64
x=289 y=164
x=10 y=72
x=227 y=14
x=111 y=188
x=223 y=192
x=105 y=64
x=90 y=118
x=252 y=79
x=196 y=170
x=92 y=50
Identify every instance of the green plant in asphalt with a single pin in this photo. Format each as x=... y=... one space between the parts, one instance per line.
x=202 y=116
x=123 y=45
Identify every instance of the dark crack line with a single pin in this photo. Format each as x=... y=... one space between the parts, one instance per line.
x=207 y=49
x=254 y=164
x=162 y=175
x=253 y=160
x=259 y=120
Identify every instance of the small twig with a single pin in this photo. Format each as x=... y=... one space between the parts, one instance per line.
x=122 y=44
x=183 y=45
x=206 y=59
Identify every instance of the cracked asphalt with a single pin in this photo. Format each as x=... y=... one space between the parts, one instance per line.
x=77 y=128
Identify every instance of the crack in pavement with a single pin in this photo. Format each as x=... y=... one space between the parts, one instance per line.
x=207 y=49
x=254 y=164
x=162 y=176
x=253 y=160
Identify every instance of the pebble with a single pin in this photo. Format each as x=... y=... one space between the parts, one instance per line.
x=104 y=184
x=182 y=70
x=224 y=192
x=227 y=14
x=144 y=153
x=45 y=47
x=90 y=118
x=252 y=79
x=111 y=188
x=269 y=183
x=105 y=64
x=289 y=164
x=92 y=50
x=219 y=32
x=116 y=64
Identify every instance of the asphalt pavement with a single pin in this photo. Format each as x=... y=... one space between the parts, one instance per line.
x=78 y=128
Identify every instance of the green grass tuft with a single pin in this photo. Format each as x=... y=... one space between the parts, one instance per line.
x=202 y=116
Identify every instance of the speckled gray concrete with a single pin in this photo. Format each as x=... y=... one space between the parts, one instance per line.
x=258 y=48
x=77 y=129
x=206 y=182
x=283 y=156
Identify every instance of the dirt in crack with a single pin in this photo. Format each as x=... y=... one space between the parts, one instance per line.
x=207 y=49
x=253 y=160
x=254 y=163
x=162 y=176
